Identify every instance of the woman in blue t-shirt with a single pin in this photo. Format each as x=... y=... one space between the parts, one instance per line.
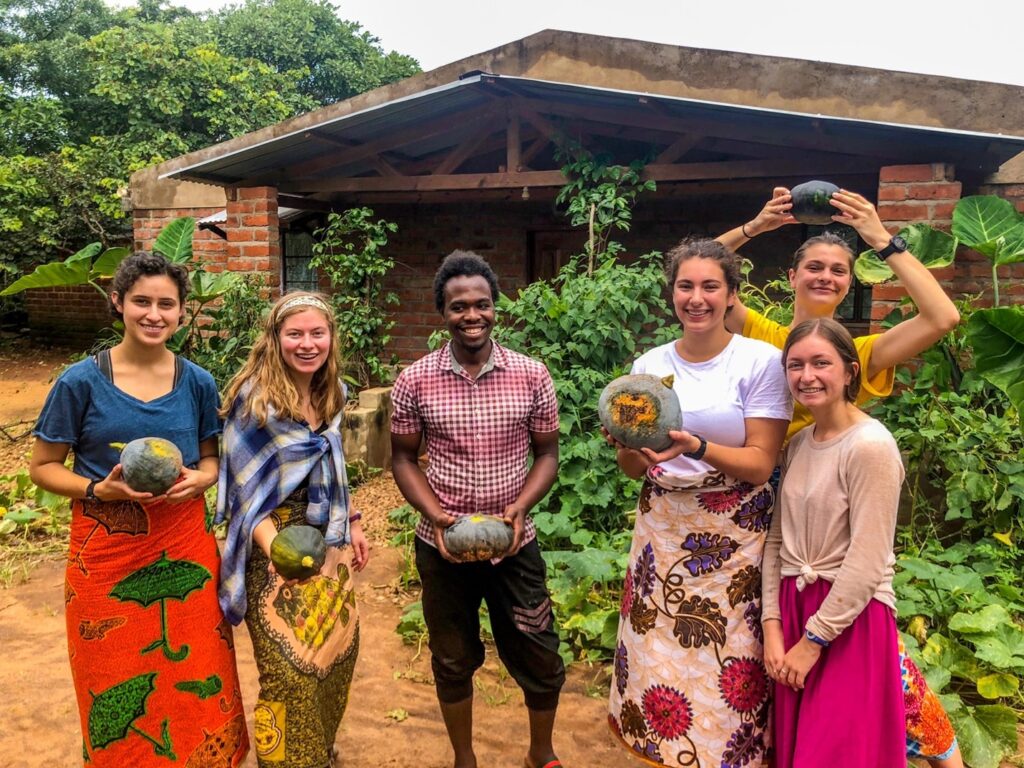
x=152 y=658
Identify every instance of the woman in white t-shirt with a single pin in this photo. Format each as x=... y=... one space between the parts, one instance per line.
x=690 y=688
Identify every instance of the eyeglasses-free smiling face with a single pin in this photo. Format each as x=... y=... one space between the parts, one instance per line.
x=816 y=373
x=305 y=340
x=469 y=312
x=700 y=294
x=823 y=277
x=151 y=309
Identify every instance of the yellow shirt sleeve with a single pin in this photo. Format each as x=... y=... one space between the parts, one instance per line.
x=759 y=327
x=880 y=385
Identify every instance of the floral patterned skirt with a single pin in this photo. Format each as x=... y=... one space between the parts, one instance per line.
x=689 y=687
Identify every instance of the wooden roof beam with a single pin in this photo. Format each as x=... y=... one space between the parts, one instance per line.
x=733 y=169
x=462 y=152
x=442 y=126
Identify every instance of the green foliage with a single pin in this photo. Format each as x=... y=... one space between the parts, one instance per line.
x=933 y=248
x=998 y=339
x=599 y=195
x=348 y=250
x=973 y=656
x=90 y=93
x=24 y=506
x=328 y=59
x=991 y=226
x=230 y=328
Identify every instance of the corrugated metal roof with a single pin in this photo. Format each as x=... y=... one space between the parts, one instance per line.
x=426 y=123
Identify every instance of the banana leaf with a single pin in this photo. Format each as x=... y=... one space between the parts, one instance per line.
x=175 y=240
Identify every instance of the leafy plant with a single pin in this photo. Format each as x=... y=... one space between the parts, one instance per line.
x=991 y=226
x=348 y=250
x=599 y=195
x=960 y=605
x=933 y=248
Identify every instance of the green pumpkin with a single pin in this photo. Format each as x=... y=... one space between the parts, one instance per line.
x=477 y=537
x=811 y=202
x=638 y=410
x=150 y=465
x=298 y=552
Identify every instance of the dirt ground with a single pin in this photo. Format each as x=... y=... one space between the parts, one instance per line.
x=392 y=718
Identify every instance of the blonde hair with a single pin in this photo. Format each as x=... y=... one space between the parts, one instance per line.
x=265 y=370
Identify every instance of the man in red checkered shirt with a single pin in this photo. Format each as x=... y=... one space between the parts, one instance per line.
x=483 y=410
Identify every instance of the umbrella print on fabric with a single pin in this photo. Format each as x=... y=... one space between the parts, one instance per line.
x=113 y=714
x=116 y=517
x=160 y=581
x=218 y=748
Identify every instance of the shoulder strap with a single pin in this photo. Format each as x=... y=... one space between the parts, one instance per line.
x=179 y=371
x=102 y=359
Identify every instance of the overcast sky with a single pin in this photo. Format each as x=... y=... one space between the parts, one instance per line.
x=974 y=39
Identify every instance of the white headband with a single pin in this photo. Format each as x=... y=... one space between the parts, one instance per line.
x=304 y=301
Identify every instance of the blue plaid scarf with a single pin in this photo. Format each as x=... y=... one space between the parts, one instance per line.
x=259 y=469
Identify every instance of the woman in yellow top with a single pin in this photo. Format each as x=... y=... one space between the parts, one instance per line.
x=821 y=276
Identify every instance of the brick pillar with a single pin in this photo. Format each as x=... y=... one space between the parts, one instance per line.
x=915 y=194
x=254 y=239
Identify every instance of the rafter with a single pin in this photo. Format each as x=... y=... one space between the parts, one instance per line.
x=462 y=152
x=735 y=169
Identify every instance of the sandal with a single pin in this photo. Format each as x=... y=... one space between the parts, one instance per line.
x=556 y=763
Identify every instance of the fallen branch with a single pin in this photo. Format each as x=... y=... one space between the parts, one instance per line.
x=15 y=438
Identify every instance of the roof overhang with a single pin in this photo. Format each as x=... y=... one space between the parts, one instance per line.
x=417 y=142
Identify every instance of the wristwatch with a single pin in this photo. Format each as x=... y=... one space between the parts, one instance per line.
x=90 y=491
x=896 y=245
x=699 y=453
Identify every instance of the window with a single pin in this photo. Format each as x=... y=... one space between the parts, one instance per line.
x=298 y=274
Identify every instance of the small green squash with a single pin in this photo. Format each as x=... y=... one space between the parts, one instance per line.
x=811 y=202
x=298 y=552
x=638 y=410
x=477 y=537
x=150 y=464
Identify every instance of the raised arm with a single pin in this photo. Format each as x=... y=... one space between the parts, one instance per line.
x=773 y=215
x=937 y=315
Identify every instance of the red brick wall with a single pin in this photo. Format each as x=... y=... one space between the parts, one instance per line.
x=75 y=315
x=910 y=194
x=252 y=227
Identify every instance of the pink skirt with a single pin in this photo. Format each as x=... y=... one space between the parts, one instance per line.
x=850 y=713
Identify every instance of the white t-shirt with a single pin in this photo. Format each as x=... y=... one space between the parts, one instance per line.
x=744 y=381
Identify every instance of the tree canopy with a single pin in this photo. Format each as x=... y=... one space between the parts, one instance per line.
x=90 y=93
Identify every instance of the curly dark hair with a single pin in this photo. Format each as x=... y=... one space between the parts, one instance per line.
x=704 y=248
x=146 y=264
x=460 y=264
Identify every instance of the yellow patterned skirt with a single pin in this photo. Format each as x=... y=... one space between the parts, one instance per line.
x=305 y=639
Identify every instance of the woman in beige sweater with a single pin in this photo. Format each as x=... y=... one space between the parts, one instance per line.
x=829 y=608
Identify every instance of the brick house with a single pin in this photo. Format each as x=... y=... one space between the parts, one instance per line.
x=463 y=157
